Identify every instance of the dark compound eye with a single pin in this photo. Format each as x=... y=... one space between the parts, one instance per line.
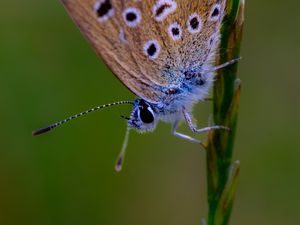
x=146 y=113
x=146 y=116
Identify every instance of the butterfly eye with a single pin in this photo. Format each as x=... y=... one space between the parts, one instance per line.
x=104 y=10
x=174 y=31
x=132 y=16
x=215 y=13
x=152 y=49
x=194 y=23
x=146 y=114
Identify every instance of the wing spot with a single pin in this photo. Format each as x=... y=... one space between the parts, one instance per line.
x=162 y=8
x=132 y=16
x=104 y=10
x=175 y=31
x=215 y=13
x=152 y=49
x=122 y=36
x=194 y=23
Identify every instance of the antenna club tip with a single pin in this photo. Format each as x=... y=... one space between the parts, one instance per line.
x=40 y=131
x=118 y=169
x=119 y=163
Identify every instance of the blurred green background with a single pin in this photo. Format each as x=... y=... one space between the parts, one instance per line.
x=48 y=71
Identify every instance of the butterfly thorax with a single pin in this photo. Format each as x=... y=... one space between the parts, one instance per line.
x=194 y=87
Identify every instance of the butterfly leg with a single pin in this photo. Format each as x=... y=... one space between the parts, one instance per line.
x=177 y=134
x=188 y=119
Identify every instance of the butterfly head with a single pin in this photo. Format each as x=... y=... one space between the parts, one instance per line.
x=143 y=116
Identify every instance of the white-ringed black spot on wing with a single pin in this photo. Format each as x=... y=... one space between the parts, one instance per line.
x=152 y=49
x=104 y=10
x=132 y=16
x=162 y=8
x=194 y=23
x=175 y=31
x=215 y=13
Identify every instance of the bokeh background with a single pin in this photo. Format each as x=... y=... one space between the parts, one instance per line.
x=48 y=71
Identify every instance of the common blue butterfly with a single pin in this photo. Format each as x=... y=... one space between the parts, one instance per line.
x=162 y=50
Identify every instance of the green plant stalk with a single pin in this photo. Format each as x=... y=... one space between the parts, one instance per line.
x=222 y=173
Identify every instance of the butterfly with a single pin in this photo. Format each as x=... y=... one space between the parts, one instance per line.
x=161 y=50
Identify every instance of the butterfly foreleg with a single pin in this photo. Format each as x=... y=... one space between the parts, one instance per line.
x=184 y=136
x=188 y=119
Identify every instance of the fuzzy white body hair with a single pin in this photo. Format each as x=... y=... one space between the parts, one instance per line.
x=173 y=112
x=186 y=100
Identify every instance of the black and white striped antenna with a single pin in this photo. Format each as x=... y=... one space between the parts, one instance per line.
x=54 y=125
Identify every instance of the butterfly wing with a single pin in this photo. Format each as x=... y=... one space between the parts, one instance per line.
x=106 y=38
x=134 y=38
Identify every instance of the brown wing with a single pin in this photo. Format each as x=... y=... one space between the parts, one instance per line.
x=124 y=32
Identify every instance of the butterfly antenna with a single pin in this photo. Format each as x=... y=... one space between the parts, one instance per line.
x=233 y=61
x=120 y=159
x=54 y=125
